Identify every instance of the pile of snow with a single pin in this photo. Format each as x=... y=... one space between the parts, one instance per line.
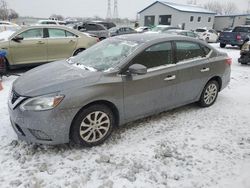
x=187 y=147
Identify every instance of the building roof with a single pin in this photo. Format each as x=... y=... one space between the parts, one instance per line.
x=182 y=7
x=232 y=15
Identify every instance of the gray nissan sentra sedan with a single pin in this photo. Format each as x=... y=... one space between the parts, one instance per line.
x=116 y=81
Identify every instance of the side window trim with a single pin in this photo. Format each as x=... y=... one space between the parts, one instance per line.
x=125 y=68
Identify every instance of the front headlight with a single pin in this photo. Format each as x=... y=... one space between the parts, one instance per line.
x=42 y=103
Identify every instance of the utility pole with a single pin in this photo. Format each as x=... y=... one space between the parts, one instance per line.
x=116 y=15
x=109 y=16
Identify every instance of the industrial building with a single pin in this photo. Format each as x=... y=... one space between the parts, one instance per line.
x=230 y=21
x=184 y=16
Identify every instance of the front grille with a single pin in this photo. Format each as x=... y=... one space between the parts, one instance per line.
x=14 y=97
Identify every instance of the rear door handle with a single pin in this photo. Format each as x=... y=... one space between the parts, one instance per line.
x=169 y=78
x=205 y=69
x=71 y=41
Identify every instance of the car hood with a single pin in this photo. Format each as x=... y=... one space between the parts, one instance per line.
x=4 y=36
x=53 y=77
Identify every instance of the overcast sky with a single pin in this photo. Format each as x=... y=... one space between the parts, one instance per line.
x=90 y=8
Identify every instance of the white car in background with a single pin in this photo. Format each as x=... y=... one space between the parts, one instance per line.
x=51 y=22
x=208 y=35
x=8 y=26
x=142 y=29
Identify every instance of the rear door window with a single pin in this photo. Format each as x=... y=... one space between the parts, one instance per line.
x=200 y=30
x=188 y=51
x=56 y=33
x=99 y=27
x=91 y=27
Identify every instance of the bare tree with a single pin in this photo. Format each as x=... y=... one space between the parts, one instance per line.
x=3 y=10
x=12 y=14
x=230 y=8
x=214 y=6
x=221 y=9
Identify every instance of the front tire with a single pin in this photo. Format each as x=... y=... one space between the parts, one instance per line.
x=92 y=126
x=78 y=51
x=209 y=94
x=222 y=45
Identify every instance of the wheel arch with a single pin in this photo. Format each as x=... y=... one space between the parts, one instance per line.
x=217 y=79
x=80 y=48
x=107 y=103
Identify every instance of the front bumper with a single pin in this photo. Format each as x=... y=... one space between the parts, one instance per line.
x=44 y=127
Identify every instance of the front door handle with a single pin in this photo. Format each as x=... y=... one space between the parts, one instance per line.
x=205 y=69
x=169 y=78
x=40 y=42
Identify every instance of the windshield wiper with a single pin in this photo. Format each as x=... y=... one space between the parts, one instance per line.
x=85 y=67
x=69 y=60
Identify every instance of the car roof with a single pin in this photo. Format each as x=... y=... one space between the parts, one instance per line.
x=151 y=37
x=50 y=26
x=179 y=30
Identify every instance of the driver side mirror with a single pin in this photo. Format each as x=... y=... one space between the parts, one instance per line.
x=17 y=38
x=137 y=69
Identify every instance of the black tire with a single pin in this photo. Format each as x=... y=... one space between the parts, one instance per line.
x=206 y=99
x=78 y=51
x=82 y=123
x=222 y=45
x=4 y=67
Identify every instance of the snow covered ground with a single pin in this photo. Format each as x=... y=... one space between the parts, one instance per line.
x=187 y=147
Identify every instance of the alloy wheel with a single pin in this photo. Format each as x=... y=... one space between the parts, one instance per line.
x=94 y=126
x=210 y=94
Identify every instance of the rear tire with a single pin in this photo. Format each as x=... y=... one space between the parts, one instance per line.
x=209 y=94
x=92 y=125
x=222 y=45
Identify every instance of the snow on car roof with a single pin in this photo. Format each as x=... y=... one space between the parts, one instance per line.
x=182 y=7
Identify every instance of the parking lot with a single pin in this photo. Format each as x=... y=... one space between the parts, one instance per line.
x=186 y=147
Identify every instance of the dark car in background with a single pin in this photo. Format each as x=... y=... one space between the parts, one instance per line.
x=108 y=25
x=236 y=37
x=118 y=80
x=121 y=31
x=93 y=29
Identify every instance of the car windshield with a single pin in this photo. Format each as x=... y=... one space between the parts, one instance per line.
x=105 y=55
